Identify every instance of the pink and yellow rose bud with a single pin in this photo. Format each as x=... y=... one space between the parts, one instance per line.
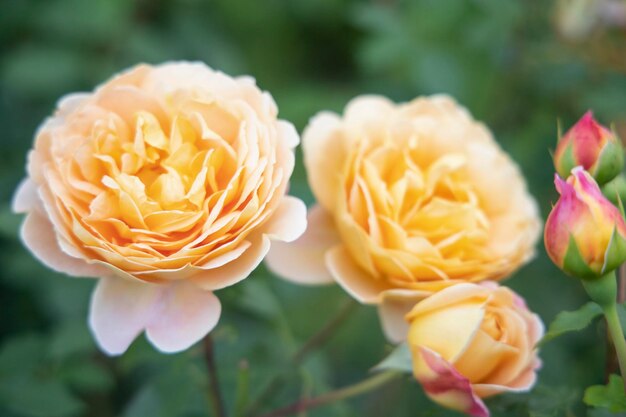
x=585 y=235
x=472 y=341
x=592 y=146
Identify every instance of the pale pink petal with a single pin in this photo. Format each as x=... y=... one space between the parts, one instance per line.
x=302 y=261
x=236 y=270
x=446 y=386
x=394 y=307
x=25 y=198
x=185 y=314
x=39 y=237
x=288 y=221
x=120 y=310
x=358 y=283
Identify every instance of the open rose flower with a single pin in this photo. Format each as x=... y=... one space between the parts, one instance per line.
x=412 y=198
x=167 y=182
x=470 y=342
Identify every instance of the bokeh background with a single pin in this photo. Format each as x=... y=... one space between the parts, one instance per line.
x=517 y=65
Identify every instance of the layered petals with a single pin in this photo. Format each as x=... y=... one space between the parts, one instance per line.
x=410 y=192
x=585 y=234
x=172 y=175
x=592 y=146
x=174 y=316
x=473 y=341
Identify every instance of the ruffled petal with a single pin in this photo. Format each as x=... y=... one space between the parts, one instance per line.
x=39 y=237
x=358 y=283
x=185 y=314
x=395 y=305
x=120 y=310
x=288 y=221
x=302 y=261
x=446 y=386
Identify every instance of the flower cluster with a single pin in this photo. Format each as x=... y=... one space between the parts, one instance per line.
x=412 y=218
x=585 y=234
x=169 y=182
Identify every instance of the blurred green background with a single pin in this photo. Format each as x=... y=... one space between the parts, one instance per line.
x=517 y=65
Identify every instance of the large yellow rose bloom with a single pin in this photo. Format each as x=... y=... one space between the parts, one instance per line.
x=167 y=182
x=413 y=198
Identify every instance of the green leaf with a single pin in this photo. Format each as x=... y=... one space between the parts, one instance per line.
x=33 y=397
x=572 y=321
x=610 y=396
x=399 y=360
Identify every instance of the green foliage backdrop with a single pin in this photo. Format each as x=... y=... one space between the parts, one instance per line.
x=502 y=59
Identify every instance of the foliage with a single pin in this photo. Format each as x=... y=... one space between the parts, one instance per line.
x=503 y=60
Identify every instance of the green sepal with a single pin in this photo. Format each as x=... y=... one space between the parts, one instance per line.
x=610 y=162
x=575 y=265
x=615 y=253
x=602 y=290
x=615 y=190
x=566 y=163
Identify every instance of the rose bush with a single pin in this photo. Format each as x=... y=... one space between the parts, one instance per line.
x=413 y=198
x=168 y=182
x=470 y=342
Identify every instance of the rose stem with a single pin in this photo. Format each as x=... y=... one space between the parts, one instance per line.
x=350 y=391
x=214 y=388
x=611 y=357
x=617 y=335
x=315 y=341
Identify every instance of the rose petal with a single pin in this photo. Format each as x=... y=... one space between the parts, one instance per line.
x=324 y=155
x=288 y=221
x=392 y=310
x=363 y=287
x=235 y=271
x=302 y=261
x=39 y=237
x=185 y=315
x=25 y=198
x=444 y=385
x=287 y=132
x=120 y=310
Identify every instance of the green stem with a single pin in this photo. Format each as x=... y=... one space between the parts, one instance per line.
x=350 y=391
x=214 y=388
x=617 y=335
x=315 y=341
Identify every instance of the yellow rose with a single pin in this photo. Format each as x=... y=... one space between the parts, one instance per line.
x=167 y=182
x=412 y=198
x=472 y=341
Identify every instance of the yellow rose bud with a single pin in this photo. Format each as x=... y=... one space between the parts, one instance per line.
x=592 y=146
x=413 y=198
x=167 y=182
x=469 y=342
x=585 y=235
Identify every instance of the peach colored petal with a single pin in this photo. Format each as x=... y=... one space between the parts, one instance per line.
x=363 y=287
x=302 y=261
x=236 y=270
x=185 y=315
x=287 y=132
x=324 y=156
x=288 y=222
x=39 y=237
x=25 y=198
x=120 y=310
x=446 y=386
x=394 y=306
